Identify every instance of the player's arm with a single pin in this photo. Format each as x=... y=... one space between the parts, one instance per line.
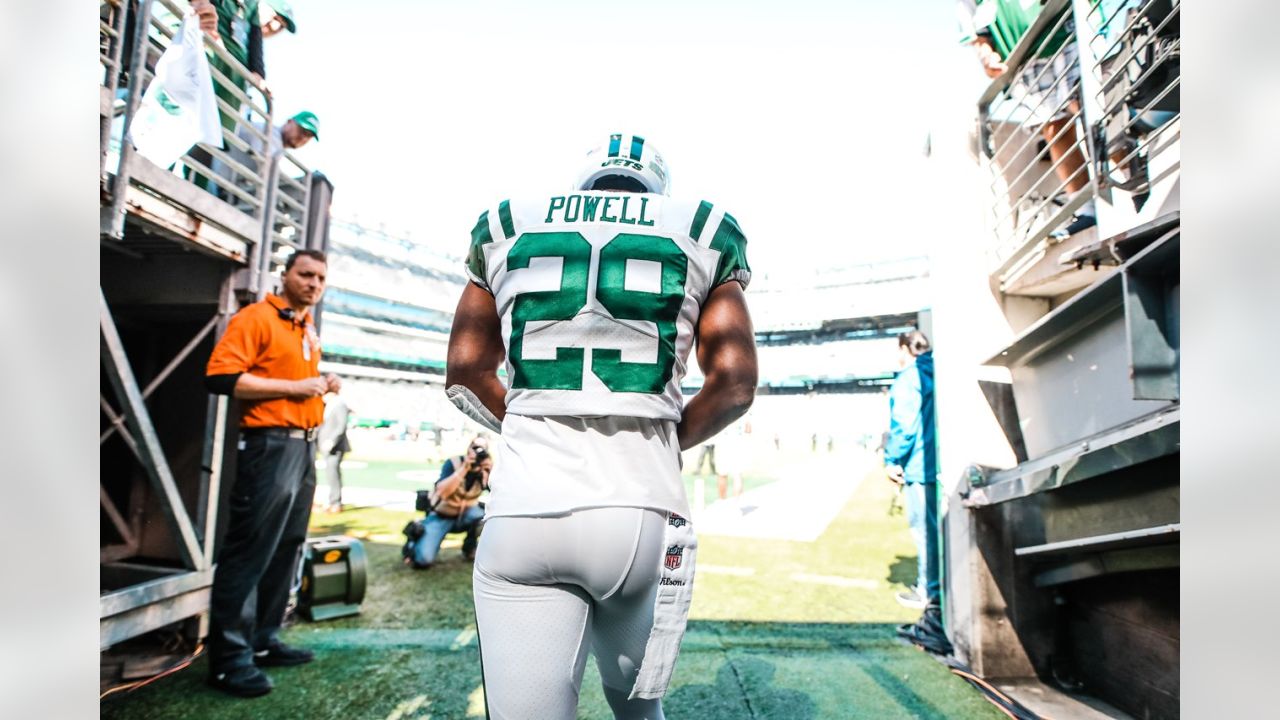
x=727 y=356
x=476 y=350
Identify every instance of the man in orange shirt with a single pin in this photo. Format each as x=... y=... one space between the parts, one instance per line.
x=269 y=359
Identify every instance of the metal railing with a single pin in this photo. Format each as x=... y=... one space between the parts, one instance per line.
x=111 y=29
x=1136 y=51
x=250 y=175
x=1033 y=132
x=1090 y=95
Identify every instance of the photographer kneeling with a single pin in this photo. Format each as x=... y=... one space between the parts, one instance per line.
x=452 y=506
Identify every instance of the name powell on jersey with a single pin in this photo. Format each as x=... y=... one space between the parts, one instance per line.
x=593 y=208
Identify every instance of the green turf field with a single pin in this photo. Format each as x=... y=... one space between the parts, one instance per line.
x=778 y=630
x=409 y=476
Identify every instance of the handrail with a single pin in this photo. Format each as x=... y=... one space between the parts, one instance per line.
x=240 y=172
x=1120 y=122
x=1035 y=35
x=1022 y=187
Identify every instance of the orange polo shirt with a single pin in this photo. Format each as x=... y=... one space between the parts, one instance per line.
x=259 y=342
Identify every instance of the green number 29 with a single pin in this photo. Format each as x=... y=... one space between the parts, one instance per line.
x=661 y=308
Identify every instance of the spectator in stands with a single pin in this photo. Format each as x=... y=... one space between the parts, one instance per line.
x=275 y=18
x=292 y=134
x=910 y=458
x=454 y=507
x=298 y=130
x=1049 y=82
x=334 y=445
x=239 y=26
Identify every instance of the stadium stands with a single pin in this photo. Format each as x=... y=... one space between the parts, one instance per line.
x=388 y=312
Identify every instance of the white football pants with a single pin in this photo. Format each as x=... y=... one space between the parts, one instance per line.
x=547 y=589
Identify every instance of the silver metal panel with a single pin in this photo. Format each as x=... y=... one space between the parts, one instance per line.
x=1151 y=282
x=1115 y=561
x=154 y=462
x=162 y=588
x=133 y=623
x=1161 y=533
x=174 y=188
x=1078 y=388
x=1147 y=438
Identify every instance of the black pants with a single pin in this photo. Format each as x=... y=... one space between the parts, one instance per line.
x=267 y=524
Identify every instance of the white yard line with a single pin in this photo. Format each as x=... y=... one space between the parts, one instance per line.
x=797 y=507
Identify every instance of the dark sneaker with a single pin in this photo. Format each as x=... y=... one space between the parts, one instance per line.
x=281 y=655
x=414 y=530
x=911 y=599
x=1080 y=222
x=245 y=682
x=927 y=633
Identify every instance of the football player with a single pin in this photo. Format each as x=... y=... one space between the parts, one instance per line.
x=592 y=300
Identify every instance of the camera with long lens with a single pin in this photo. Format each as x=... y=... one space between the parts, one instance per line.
x=476 y=475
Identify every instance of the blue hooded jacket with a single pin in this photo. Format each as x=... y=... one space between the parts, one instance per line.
x=913 y=431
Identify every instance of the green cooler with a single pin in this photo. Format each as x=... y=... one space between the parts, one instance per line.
x=334 y=572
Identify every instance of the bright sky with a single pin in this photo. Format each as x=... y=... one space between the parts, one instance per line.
x=807 y=122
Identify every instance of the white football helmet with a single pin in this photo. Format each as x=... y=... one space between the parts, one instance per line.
x=628 y=156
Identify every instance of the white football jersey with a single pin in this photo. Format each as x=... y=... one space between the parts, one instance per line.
x=599 y=295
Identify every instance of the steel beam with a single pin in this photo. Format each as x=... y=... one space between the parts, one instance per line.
x=1108 y=541
x=1155 y=435
x=168 y=369
x=139 y=420
x=117 y=421
x=266 y=241
x=114 y=222
x=152 y=604
x=117 y=520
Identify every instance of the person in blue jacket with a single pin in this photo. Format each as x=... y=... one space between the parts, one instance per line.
x=911 y=460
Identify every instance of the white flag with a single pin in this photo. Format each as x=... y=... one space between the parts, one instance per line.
x=178 y=108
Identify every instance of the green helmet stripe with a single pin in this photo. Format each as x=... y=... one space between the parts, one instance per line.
x=504 y=215
x=699 y=219
x=637 y=147
x=615 y=145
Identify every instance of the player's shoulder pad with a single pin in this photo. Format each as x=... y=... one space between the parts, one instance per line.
x=495 y=223
x=716 y=229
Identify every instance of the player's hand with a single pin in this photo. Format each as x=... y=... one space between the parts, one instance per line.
x=208 y=16
x=310 y=387
x=895 y=474
x=333 y=383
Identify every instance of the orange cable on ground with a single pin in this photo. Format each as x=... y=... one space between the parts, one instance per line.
x=142 y=683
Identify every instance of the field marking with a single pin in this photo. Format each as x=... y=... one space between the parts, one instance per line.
x=797 y=507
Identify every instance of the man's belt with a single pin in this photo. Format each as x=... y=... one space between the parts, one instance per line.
x=308 y=434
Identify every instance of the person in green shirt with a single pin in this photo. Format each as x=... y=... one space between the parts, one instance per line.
x=1048 y=83
x=240 y=26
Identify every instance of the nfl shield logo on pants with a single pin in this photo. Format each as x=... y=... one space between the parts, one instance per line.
x=674 y=555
